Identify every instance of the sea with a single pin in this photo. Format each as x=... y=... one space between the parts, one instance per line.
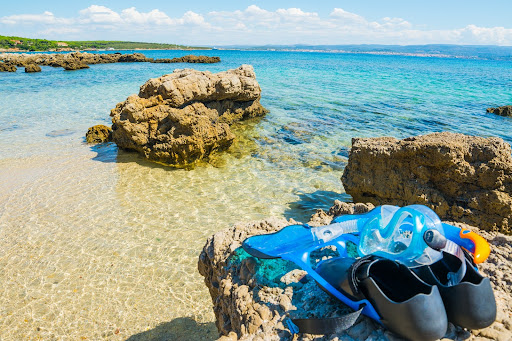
x=99 y=243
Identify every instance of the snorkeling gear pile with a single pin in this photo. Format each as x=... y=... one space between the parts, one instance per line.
x=414 y=275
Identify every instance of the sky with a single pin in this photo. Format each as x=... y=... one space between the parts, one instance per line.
x=264 y=22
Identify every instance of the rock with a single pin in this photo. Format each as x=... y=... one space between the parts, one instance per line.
x=189 y=59
x=251 y=297
x=74 y=65
x=462 y=178
x=135 y=57
x=98 y=134
x=77 y=60
x=7 y=67
x=505 y=110
x=185 y=116
x=32 y=68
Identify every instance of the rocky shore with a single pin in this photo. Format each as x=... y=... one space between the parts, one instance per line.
x=252 y=297
x=79 y=60
x=183 y=117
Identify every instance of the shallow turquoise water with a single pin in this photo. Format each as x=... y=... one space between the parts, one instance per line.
x=93 y=239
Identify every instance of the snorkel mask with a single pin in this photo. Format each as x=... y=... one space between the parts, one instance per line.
x=398 y=234
x=412 y=235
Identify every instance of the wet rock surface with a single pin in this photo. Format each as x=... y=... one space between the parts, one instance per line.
x=251 y=297
x=185 y=116
x=462 y=178
x=7 y=67
x=98 y=134
x=32 y=68
x=74 y=65
x=505 y=110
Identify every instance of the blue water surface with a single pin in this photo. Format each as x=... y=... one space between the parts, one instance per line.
x=318 y=101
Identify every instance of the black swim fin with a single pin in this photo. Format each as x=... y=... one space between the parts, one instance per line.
x=408 y=306
x=469 y=304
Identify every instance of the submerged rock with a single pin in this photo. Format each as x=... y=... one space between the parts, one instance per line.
x=252 y=297
x=32 y=68
x=7 y=67
x=185 y=116
x=505 y=110
x=98 y=134
x=462 y=178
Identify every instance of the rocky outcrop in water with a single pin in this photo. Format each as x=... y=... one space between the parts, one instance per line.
x=252 y=297
x=189 y=59
x=133 y=58
x=74 y=65
x=98 y=134
x=505 y=110
x=79 y=60
x=462 y=178
x=7 y=67
x=185 y=116
x=32 y=68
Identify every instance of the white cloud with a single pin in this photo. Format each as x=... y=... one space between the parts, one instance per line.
x=191 y=18
x=296 y=13
x=99 y=15
x=252 y=25
x=486 y=35
x=347 y=18
x=156 y=17
x=29 y=19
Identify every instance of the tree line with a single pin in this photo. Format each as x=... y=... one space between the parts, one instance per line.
x=29 y=44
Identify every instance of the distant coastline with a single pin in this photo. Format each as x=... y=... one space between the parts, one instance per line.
x=22 y=44
x=482 y=52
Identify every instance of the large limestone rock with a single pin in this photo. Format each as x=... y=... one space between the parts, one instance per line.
x=505 y=110
x=251 y=297
x=185 y=116
x=463 y=178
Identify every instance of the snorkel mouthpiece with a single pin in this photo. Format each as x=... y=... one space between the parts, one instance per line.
x=434 y=239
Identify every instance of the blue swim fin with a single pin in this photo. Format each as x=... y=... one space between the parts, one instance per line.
x=296 y=242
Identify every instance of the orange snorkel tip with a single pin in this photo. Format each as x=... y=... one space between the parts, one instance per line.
x=482 y=247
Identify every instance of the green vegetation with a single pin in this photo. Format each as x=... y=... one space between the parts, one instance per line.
x=28 y=44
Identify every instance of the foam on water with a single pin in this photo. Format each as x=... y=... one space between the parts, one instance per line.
x=99 y=243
